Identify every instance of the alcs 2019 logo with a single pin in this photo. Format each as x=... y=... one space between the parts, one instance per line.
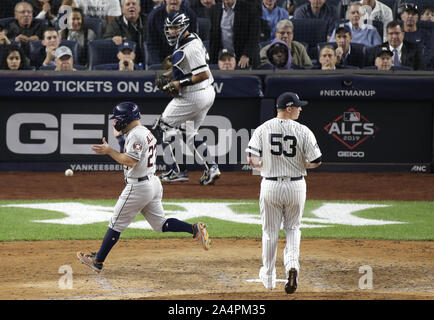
x=351 y=129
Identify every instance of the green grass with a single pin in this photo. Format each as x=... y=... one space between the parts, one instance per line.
x=16 y=223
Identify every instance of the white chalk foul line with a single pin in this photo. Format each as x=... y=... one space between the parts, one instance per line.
x=259 y=280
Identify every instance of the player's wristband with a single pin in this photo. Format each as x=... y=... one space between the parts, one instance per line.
x=186 y=82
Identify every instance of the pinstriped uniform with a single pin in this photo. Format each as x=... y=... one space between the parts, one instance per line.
x=284 y=146
x=190 y=58
x=139 y=196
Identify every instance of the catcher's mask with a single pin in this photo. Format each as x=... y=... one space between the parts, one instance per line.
x=176 y=20
x=124 y=113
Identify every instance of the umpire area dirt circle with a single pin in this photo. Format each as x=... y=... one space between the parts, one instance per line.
x=180 y=269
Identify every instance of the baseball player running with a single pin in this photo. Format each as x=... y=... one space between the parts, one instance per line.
x=190 y=83
x=282 y=149
x=143 y=191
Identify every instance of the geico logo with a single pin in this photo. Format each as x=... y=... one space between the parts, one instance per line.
x=44 y=133
x=47 y=140
x=356 y=128
x=351 y=154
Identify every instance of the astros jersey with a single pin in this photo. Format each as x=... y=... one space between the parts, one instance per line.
x=140 y=144
x=190 y=58
x=285 y=146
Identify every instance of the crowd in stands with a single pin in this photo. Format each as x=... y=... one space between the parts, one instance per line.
x=238 y=34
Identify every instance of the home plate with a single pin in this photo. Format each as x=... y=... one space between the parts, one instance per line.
x=259 y=280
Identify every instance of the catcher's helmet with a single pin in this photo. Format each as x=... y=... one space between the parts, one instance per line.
x=124 y=113
x=177 y=20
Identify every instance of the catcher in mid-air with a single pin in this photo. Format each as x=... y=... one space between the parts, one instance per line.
x=189 y=82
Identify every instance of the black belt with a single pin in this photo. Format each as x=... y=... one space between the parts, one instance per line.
x=138 y=179
x=290 y=179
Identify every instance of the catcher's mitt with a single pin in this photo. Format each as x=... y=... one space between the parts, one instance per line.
x=165 y=84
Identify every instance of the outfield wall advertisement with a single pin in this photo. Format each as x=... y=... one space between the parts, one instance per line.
x=51 y=122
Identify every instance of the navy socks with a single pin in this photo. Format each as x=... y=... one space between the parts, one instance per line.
x=110 y=239
x=175 y=225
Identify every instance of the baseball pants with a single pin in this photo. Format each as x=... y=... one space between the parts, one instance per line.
x=280 y=202
x=144 y=197
x=191 y=106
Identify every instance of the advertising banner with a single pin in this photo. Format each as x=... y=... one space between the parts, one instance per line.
x=45 y=134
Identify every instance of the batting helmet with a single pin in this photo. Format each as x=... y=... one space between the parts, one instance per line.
x=124 y=113
x=177 y=20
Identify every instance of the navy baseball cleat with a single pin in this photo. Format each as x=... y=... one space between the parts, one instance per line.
x=200 y=233
x=209 y=176
x=173 y=176
x=90 y=261
x=291 y=285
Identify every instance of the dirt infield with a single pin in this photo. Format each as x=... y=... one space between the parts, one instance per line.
x=165 y=269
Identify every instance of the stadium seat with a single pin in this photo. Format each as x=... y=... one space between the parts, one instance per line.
x=95 y=24
x=335 y=3
x=379 y=26
x=36 y=46
x=145 y=56
x=112 y=66
x=155 y=66
x=76 y=66
x=203 y=28
x=4 y=21
x=310 y=31
x=101 y=52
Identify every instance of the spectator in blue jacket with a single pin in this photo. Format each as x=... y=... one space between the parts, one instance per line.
x=361 y=33
x=273 y=14
x=158 y=48
x=318 y=9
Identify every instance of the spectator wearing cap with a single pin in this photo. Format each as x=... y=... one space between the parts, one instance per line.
x=361 y=33
x=427 y=14
x=130 y=26
x=126 y=55
x=24 y=28
x=318 y=9
x=347 y=54
x=279 y=55
x=409 y=14
x=63 y=59
x=405 y=53
x=384 y=60
x=235 y=25
x=158 y=47
x=377 y=11
x=227 y=60
x=285 y=33
x=273 y=14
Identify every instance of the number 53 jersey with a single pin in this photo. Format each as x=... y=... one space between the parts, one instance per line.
x=284 y=146
x=140 y=144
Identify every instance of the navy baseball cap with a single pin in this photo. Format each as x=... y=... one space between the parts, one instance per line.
x=384 y=50
x=225 y=51
x=408 y=7
x=127 y=45
x=289 y=99
x=343 y=27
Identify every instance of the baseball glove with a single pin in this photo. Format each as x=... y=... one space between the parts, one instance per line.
x=165 y=84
